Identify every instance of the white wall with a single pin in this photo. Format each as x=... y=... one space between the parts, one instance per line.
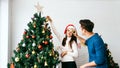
x=104 y=13
x=0 y=21
x=4 y=20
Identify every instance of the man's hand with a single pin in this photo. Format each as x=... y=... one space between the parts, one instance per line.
x=87 y=65
x=82 y=66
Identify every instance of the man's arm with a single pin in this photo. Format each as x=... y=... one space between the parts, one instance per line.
x=90 y=64
x=82 y=40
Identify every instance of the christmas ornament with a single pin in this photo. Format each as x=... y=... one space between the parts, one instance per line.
x=39 y=7
x=51 y=40
x=33 y=36
x=27 y=55
x=27 y=36
x=50 y=54
x=25 y=32
x=33 y=44
x=34 y=25
x=45 y=42
x=47 y=20
x=51 y=37
x=17 y=49
x=45 y=63
x=17 y=59
x=47 y=36
x=12 y=65
x=35 y=66
x=43 y=31
x=33 y=52
x=56 y=55
x=23 y=45
x=39 y=46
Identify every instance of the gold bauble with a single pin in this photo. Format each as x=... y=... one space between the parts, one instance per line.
x=33 y=52
x=43 y=31
x=34 y=26
x=35 y=66
x=50 y=54
x=46 y=63
x=47 y=19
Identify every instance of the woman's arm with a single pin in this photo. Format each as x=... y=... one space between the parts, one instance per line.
x=54 y=29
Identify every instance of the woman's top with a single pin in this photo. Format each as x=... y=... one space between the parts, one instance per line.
x=71 y=52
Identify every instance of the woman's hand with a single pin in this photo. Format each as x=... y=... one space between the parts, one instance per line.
x=63 y=53
x=49 y=19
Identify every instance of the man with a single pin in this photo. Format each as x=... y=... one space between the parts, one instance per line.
x=95 y=44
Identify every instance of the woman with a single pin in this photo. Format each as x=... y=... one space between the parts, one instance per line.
x=69 y=49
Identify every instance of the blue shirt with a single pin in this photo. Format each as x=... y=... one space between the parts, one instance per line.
x=97 y=51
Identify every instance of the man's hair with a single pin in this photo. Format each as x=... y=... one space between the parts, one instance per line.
x=87 y=25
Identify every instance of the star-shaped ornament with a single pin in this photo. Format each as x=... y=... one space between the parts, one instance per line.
x=39 y=7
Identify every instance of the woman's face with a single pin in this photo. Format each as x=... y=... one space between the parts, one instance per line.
x=69 y=32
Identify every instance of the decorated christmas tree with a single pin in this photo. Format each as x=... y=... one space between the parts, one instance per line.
x=36 y=48
x=111 y=62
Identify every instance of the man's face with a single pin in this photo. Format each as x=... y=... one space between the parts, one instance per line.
x=82 y=30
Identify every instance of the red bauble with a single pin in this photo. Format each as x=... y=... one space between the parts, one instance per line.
x=27 y=36
x=33 y=36
x=25 y=32
x=40 y=47
x=45 y=42
x=51 y=37
x=27 y=55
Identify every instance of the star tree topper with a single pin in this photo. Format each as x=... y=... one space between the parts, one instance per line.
x=39 y=7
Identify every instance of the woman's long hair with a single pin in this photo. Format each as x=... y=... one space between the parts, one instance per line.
x=73 y=38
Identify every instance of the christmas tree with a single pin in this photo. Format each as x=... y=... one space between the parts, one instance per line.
x=36 y=49
x=111 y=62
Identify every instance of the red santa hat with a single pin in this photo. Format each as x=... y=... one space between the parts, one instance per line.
x=69 y=26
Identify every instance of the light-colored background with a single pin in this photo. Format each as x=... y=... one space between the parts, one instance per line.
x=15 y=14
